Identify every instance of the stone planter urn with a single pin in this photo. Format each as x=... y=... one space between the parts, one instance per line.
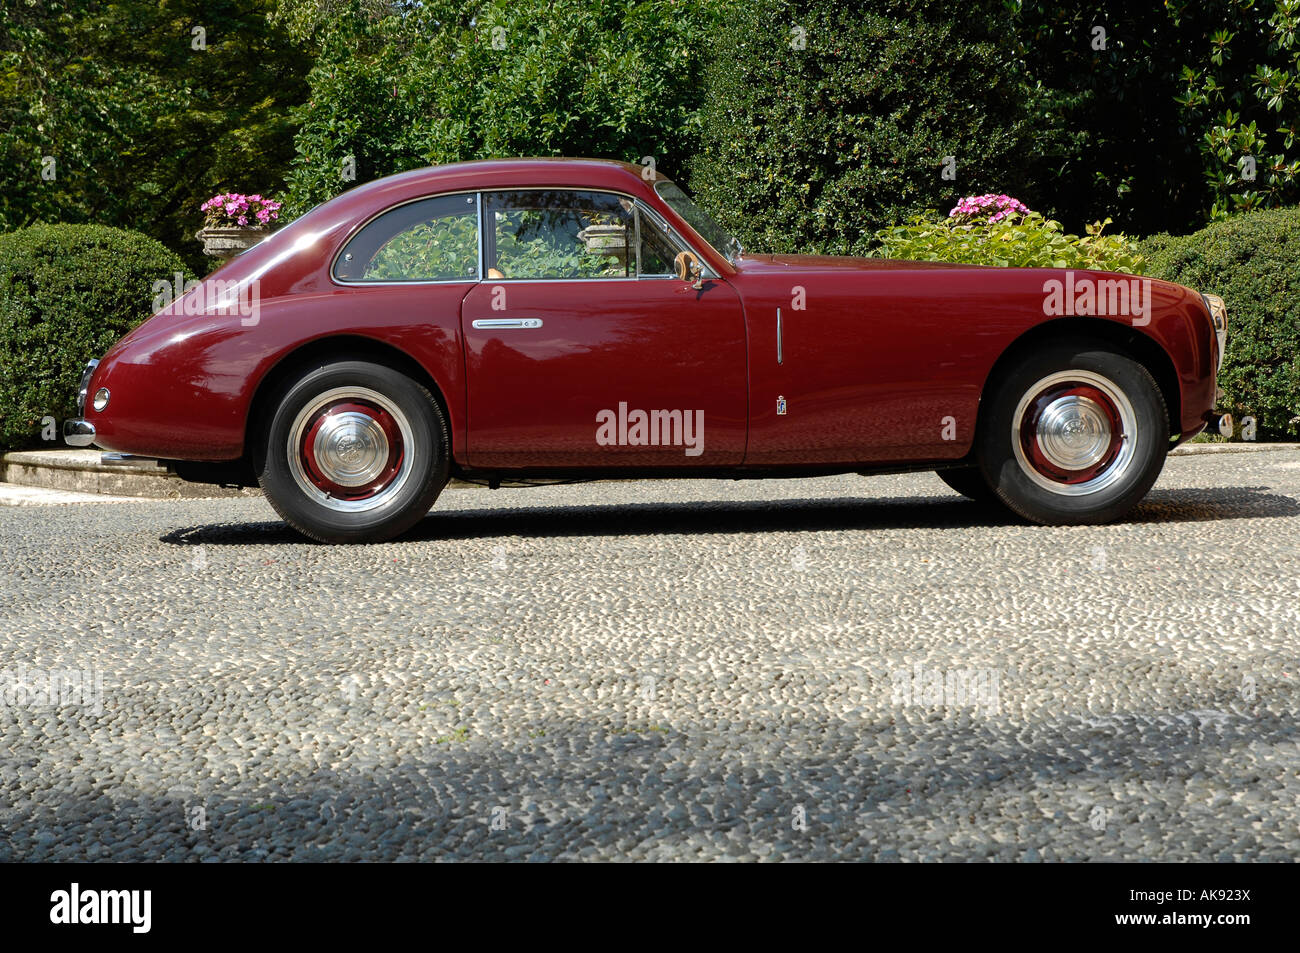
x=227 y=242
x=606 y=240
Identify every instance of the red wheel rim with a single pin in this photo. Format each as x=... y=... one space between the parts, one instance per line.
x=1053 y=464
x=351 y=449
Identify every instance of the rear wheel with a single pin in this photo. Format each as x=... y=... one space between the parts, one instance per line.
x=1074 y=434
x=354 y=452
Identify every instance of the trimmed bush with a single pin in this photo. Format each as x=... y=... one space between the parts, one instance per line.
x=67 y=294
x=1252 y=261
x=825 y=121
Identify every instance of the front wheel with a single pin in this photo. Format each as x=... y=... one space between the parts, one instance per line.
x=354 y=452
x=1074 y=434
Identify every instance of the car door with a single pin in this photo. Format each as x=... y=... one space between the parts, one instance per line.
x=582 y=350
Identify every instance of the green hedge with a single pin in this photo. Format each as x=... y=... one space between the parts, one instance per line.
x=825 y=121
x=67 y=293
x=1252 y=261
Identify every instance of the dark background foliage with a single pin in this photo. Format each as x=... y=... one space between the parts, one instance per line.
x=823 y=122
x=799 y=149
x=1119 y=134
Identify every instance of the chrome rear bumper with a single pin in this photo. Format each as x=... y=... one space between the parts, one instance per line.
x=78 y=433
x=1219 y=318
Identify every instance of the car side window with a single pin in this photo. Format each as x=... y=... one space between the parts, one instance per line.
x=656 y=250
x=558 y=234
x=433 y=239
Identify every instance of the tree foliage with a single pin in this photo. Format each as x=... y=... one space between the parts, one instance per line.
x=402 y=85
x=803 y=123
x=1147 y=111
x=118 y=112
x=1243 y=99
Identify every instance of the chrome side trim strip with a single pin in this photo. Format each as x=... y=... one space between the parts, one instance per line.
x=779 y=358
x=485 y=324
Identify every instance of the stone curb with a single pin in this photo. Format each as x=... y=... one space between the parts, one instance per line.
x=1191 y=449
x=82 y=471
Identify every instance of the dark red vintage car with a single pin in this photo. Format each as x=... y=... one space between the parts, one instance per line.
x=540 y=319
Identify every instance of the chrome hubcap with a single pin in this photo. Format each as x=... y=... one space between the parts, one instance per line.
x=349 y=449
x=1074 y=432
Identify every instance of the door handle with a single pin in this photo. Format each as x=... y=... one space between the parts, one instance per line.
x=488 y=324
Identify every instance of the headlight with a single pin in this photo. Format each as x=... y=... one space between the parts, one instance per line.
x=1219 y=318
x=101 y=399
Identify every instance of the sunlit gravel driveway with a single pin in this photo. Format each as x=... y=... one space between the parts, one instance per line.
x=834 y=668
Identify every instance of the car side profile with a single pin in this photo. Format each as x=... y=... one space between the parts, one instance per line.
x=539 y=319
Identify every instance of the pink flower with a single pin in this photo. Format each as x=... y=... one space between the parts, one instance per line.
x=976 y=207
x=235 y=208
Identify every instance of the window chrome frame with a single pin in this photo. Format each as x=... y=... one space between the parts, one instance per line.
x=481 y=223
x=740 y=251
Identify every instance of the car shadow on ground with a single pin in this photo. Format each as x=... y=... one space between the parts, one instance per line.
x=1082 y=786
x=758 y=516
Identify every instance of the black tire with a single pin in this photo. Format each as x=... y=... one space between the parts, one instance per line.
x=1071 y=398
x=401 y=431
x=969 y=482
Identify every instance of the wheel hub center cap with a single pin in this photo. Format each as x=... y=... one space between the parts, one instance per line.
x=1074 y=432
x=351 y=448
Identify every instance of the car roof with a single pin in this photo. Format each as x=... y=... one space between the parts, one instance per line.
x=483 y=174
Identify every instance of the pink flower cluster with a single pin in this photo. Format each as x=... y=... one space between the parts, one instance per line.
x=231 y=209
x=991 y=208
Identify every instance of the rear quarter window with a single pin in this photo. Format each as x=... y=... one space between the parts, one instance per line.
x=434 y=239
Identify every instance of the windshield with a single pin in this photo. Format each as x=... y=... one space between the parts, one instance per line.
x=700 y=220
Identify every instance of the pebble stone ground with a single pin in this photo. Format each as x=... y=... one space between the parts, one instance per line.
x=867 y=669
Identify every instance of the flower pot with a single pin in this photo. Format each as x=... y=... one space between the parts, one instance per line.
x=228 y=242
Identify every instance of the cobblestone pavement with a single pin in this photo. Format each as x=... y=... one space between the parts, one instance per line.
x=832 y=668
